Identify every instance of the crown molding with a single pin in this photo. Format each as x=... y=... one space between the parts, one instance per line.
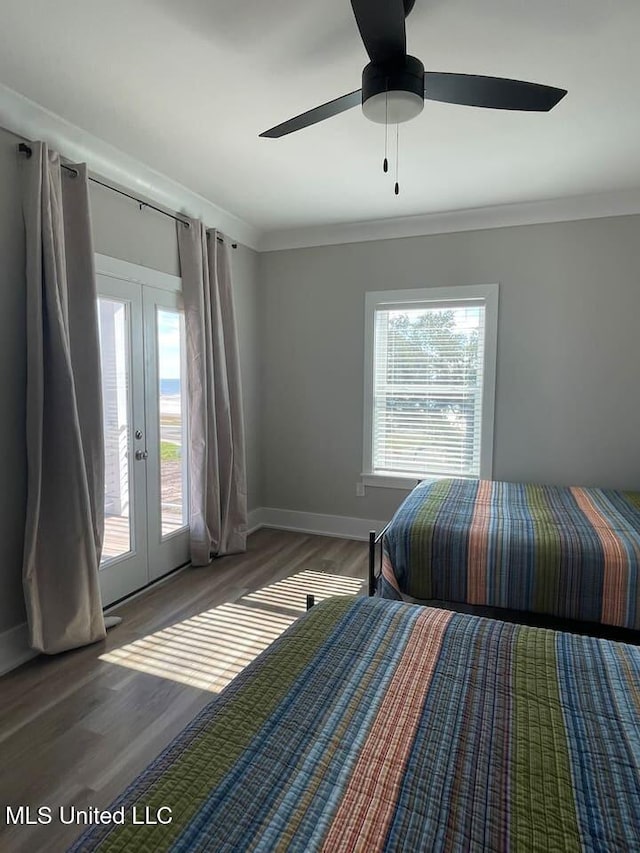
x=597 y=206
x=29 y=120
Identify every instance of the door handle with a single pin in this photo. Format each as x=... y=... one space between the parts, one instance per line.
x=142 y=455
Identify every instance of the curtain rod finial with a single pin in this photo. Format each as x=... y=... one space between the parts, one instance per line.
x=23 y=148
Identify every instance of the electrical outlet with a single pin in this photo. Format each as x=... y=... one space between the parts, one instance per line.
x=359 y=490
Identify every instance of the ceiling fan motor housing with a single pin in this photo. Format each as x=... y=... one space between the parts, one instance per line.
x=393 y=92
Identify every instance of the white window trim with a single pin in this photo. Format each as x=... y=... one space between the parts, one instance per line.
x=116 y=268
x=488 y=293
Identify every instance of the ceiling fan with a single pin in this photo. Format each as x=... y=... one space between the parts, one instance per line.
x=395 y=84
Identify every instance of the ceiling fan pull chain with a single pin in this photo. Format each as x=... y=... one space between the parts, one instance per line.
x=397 y=187
x=385 y=165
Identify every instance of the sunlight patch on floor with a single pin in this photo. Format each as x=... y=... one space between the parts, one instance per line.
x=209 y=649
x=291 y=593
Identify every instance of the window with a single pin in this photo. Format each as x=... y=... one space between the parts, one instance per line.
x=429 y=385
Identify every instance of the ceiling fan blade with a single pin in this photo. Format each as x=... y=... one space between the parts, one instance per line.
x=381 y=25
x=333 y=108
x=497 y=93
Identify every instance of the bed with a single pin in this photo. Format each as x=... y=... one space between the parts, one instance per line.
x=567 y=552
x=378 y=725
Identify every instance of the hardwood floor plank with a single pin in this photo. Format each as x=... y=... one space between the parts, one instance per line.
x=76 y=728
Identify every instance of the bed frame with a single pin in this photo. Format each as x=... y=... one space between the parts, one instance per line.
x=375 y=540
x=519 y=617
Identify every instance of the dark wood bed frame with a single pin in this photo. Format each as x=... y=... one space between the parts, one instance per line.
x=519 y=617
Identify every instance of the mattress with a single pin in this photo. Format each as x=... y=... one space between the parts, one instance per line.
x=377 y=725
x=567 y=552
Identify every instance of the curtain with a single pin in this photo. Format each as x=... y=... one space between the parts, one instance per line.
x=218 y=496
x=65 y=492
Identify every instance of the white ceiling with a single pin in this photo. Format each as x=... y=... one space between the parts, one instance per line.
x=186 y=86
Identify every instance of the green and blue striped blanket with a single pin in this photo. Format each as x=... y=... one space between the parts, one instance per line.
x=568 y=552
x=376 y=725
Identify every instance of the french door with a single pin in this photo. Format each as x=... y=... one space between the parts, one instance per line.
x=142 y=348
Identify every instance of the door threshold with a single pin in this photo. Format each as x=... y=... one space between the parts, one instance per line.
x=127 y=598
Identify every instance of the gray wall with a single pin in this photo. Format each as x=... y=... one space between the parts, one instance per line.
x=122 y=231
x=13 y=471
x=567 y=404
x=567 y=401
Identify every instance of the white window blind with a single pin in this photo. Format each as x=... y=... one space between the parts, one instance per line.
x=428 y=362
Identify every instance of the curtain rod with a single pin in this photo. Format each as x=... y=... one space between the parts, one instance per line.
x=25 y=149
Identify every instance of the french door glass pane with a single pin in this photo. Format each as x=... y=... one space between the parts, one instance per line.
x=116 y=382
x=173 y=421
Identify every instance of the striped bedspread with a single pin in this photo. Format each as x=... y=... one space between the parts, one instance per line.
x=377 y=725
x=569 y=552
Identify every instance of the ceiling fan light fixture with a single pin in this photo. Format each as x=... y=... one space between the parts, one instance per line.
x=395 y=85
x=393 y=107
x=393 y=92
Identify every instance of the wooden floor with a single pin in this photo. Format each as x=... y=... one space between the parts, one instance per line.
x=77 y=728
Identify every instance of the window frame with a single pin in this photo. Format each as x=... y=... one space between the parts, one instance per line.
x=488 y=295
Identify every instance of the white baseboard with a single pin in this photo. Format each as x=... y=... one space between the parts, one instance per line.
x=15 y=648
x=341 y=526
x=255 y=520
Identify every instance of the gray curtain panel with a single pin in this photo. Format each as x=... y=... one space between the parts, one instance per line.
x=65 y=497
x=217 y=454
